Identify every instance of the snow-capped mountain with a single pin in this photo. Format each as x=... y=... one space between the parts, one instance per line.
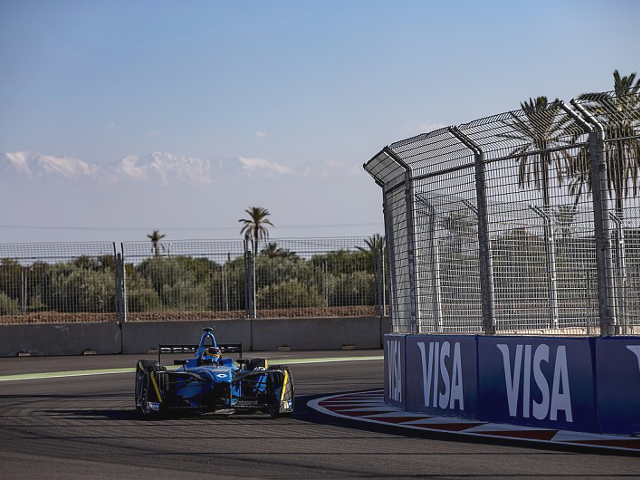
x=76 y=200
x=165 y=168
x=35 y=165
x=160 y=167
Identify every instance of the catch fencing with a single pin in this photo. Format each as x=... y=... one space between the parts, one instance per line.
x=67 y=282
x=527 y=222
x=192 y=280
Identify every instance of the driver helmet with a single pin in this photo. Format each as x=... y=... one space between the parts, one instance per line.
x=211 y=355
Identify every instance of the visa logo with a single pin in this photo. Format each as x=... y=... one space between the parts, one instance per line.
x=549 y=400
x=635 y=349
x=394 y=370
x=436 y=373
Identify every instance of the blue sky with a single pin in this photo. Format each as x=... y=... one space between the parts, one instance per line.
x=288 y=81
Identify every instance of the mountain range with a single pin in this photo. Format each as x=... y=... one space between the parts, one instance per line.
x=60 y=199
x=166 y=168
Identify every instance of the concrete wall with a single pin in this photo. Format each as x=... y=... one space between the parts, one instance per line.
x=143 y=336
x=60 y=339
x=317 y=333
x=140 y=337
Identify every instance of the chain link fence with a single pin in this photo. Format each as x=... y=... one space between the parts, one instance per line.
x=524 y=222
x=70 y=282
x=193 y=280
x=286 y=278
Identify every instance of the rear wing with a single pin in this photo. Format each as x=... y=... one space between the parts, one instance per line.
x=184 y=348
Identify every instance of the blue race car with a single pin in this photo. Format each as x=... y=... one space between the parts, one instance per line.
x=209 y=382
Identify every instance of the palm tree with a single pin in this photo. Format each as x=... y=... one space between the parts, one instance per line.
x=155 y=238
x=374 y=251
x=541 y=128
x=254 y=228
x=373 y=243
x=619 y=112
x=272 y=250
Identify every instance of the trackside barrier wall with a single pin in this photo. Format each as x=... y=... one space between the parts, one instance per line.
x=319 y=333
x=618 y=381
x=568 y=383
x=61 y=339
x=395 y=390
x=139 y=337
x=538 y=381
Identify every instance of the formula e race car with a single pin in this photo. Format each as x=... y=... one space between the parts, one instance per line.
x=210 y=383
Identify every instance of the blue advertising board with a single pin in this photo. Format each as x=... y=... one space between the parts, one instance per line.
x=618 y=380
x=538 y=381
x=394 y=370
x=441 y=374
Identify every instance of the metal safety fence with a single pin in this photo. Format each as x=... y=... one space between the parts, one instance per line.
x=58 y=281
x=196 y=279
x=525 y=222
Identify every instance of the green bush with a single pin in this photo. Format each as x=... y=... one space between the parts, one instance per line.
x=274 y=270
x=69 y=288
x=288 y=294
x=180 y=282
x=8 y=306
x=356 y=288
x=170 y=270
x=186 y=295
x=164 y=271
x=228 y=286
x=141 y=296
x=343 y=261
x=11 y=274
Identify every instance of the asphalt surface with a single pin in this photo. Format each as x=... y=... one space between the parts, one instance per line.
x=86 y=427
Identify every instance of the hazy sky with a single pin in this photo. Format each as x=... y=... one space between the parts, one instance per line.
x=289 y=81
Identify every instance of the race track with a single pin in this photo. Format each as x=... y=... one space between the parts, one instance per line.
x=86 y=427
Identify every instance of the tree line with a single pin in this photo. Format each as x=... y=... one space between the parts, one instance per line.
x=546 y=132
x=162 y=282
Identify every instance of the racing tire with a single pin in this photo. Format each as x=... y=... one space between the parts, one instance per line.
x=144 y=386
x=283 y=403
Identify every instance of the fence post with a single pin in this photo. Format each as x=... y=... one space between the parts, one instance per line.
x=121 y=289
x=484 y=241
x=621 y=276
x=390 y=258
x=24 y=289
x=379 y=279
x=250 y=283
x=436 y=285
x=550 y=248
x=600 y=195
x=411 y=238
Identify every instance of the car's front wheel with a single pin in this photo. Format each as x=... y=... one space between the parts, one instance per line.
x=147 y=394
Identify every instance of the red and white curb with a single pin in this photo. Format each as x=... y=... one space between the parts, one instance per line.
x=370 y=407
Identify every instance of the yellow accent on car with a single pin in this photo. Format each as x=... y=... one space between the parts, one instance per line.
x=284 y=386
x=155 y=385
